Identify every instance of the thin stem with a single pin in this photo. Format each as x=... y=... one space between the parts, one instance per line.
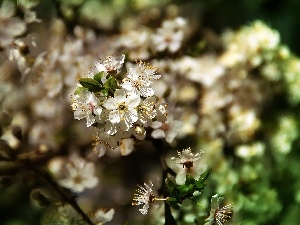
x=200 y=205
x=160 y=199
x=169 y=219
x=161 y=151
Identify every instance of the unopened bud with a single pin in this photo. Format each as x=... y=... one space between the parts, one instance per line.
x=38 y=197
x=17 y=132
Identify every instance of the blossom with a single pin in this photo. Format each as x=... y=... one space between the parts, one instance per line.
x=186 y=158
x=77 y=174
x=10 y=26
x=168 y=130
x=122 y=108
x=139 y=78
x=170 y=35
x=126 y=146
x=217 y=214
x=110 y=65
x=86 y=105
x=102 y=216
x=144 y=196
x=187 y=163
x=136 y=43
x=146 y=110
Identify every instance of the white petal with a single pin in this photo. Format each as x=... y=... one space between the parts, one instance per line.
x=158 y=134
x=156 y=124
x=147 y=92
x=110 y=104
x=90 y=119
x=114 y=116
x=133 y=101
x=127 y=86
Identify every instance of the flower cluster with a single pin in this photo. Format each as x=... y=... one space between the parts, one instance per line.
x=118 y=109
x=142 y=42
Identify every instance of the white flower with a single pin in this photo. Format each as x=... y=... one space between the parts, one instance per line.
x=205 y=70
x=53 y=83
x=146 y=111
x=217 y=214
x=168 y=130
x=187 y=163
x=136 y=42
x=126 y=146
x=170 y=35
x=186 y=157
x=86 y=105
x=110 y=65
x=144 y=196
x=139 y=78
x=78 y=174
x=102 y=216
x=122 y=108
x=10 y=27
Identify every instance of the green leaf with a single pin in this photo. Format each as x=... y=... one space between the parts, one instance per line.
x=187 y=191
x=189 y=179
x=172 y=201
x=91 y=84
x=177 y=207
x=78 y=90
x=172 y=188
x=98 y=76
x=110 y=86
x=200 y=182
x=204 y=176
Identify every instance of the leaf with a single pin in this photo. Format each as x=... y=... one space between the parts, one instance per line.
x=172 y=188
x=110 y=86
x=189 y=179
x=98 y=77
x=172 y=201
x=200 y=182
x=91 y=84
x=79 y=89
x=204 y=176
x=177 y=207
x=187 y=191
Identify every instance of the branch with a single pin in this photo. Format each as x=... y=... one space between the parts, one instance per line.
x=69 y=199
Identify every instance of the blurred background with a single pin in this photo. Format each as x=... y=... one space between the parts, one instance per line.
x=242 y=112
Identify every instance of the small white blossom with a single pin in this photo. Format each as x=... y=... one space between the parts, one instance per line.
x=110 y=64
x=168 y=129
x=170 y=35
x=86 y=105
x=126 y=146
x=186 y=157
x=139 y=78
x=136 y=42
x=78 y=174
x=102 y=216
x=122 y=108
x=144 y=196
x=187 y=163
x=10 y=26
x=218 y=214
x=146 y=111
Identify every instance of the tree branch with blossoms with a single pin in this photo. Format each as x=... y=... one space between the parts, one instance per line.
x=123 y=110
